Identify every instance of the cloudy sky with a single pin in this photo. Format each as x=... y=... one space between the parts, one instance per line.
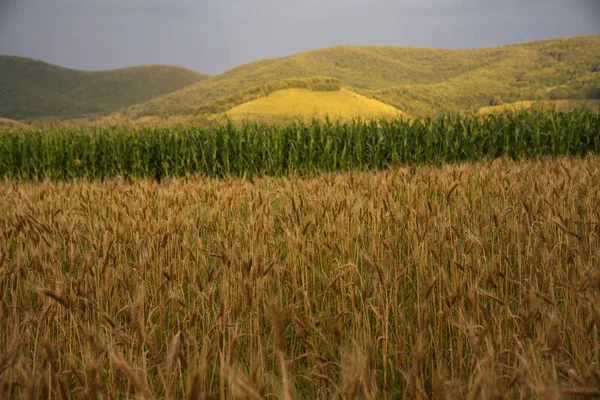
x=214 y=35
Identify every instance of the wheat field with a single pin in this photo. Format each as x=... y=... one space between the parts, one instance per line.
x=475 y=281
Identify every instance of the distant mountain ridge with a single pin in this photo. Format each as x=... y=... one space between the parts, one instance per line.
x=418 y=81
x=32 y=89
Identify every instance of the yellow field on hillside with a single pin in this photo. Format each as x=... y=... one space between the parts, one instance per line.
x=473 y=281
x=306 y=104
x=560 y=105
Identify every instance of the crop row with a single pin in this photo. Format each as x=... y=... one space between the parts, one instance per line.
x=231 y=150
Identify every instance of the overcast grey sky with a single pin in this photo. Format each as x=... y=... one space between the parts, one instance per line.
x=214 y=35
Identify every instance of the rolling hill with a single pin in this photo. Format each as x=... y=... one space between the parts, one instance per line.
x=10 y=123
x=32 y=89
x=420 y=81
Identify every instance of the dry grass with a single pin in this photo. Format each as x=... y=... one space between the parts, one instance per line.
x=470 y=281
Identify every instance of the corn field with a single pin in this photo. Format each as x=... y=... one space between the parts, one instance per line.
x=277 y=150
x=470 y=281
